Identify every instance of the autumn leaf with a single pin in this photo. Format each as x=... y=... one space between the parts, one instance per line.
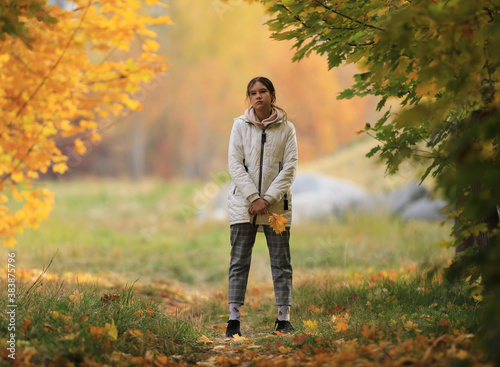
x=411 y=326
x=311 y=325
x=368 y=331
x=58 y=316
x=277 y=222
x=26 y=324
x=108 y=298
x=284 y=350
x=135 y=333
x=238 y=338
x=112 y=331
x=340 y=326
x=316 y=309
x=97 y=331
x=299 y=339
x=205 y=340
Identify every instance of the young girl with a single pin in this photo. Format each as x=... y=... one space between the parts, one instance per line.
x=262 y=164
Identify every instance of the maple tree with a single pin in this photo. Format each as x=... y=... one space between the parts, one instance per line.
x=438 y=62
x=59 y=80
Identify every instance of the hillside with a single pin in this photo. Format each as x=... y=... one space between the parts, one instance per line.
x=350 y=163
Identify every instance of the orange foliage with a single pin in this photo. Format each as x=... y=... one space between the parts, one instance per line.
x=59 y=88
x=215 y=49
x=277 y=222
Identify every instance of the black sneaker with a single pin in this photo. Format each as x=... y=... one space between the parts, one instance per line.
x=233 y=328
x=283 y=327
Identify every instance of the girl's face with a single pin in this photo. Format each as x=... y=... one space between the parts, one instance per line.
x=260 y=97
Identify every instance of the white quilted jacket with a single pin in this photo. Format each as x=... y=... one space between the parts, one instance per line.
x=262 y=163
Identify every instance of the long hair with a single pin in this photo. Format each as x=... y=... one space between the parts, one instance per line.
x=270 y=87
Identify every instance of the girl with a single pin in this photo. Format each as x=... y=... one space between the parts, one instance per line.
x=262 y=165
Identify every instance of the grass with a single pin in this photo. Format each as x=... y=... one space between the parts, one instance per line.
x=387 y=318
x=132 y=256
x=71 y=323
x=136 y=230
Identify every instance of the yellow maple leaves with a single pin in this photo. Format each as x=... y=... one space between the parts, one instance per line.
x=277 y=222
x=62 y=87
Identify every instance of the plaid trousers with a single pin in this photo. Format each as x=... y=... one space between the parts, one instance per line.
x=242 y=241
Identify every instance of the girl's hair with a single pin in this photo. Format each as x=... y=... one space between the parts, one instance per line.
x=270 y=87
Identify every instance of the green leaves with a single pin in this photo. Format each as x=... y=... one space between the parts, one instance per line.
x=439 y=60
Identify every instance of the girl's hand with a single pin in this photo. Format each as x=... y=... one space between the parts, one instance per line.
x=259 y=206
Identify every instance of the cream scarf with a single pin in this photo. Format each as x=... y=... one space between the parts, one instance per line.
x=276 y=115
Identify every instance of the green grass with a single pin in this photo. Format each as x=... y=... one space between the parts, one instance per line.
x=413 y=313
x=69 y=323
x=142 y=242
x=140 y=231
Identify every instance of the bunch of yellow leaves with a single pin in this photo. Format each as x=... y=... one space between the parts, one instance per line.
x=277 y=222
x=66 y=85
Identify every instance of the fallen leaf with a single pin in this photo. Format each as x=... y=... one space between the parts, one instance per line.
x=238 y=338
x=163 y=360
x=96 y=330
x=284 y=350
x=341 y=326
x=136 y=333
x=299 y=339
x=204 y=339
x=311 y=325
x=112 y=330
x=411 y=326
x=316 y=309
x=26 y=324
x=57 y=316
x=368 y=331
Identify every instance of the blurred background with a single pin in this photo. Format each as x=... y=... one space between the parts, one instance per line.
x=147 y=201
x=214 y=49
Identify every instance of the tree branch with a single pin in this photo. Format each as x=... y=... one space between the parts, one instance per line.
x=362 y=44
x=296 y=17
x=347 y=17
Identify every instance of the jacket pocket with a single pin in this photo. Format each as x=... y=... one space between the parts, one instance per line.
x=285 y=202
x=246 y=169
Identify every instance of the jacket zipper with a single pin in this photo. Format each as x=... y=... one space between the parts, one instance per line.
x=263 y=140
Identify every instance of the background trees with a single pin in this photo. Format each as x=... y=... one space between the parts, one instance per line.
x=214 y=49
x=436 y=64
